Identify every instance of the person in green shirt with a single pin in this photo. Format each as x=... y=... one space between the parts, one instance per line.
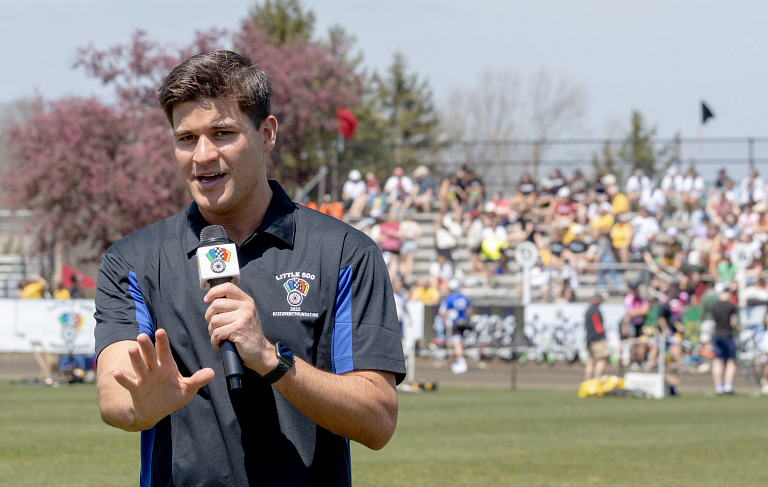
x=726 y=271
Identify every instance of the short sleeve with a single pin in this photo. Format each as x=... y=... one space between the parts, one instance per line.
x=121 y=313
x=366 y=333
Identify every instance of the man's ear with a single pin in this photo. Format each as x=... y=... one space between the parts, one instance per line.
x=269 y=132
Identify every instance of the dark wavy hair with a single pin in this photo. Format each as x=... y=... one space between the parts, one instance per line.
x=218 y=74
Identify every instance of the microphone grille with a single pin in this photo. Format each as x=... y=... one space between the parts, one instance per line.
x=213 y=234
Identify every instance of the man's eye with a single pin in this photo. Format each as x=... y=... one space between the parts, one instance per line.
x=223 y=133
x=187 y=138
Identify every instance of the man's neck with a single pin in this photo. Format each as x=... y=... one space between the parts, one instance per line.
x=241 y=225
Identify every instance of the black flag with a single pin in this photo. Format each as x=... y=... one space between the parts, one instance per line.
x=706 y=113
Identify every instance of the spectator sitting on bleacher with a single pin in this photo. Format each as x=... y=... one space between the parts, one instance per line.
x=693 y=191
x=672 y=186
x=635 y=186
x=423 y=191
x=441 y=271
x=575 y=253
x=752 y=189
x=376 y=205
x=748 y=219
x=453 y=194
x=410 y=232
x=354 y=193
x=563 y=209
x=525 y=196
x=619 y=201
x=447 y=233
x=390 y=242
x=603 y=221
x=654 y=200
x=494 y=242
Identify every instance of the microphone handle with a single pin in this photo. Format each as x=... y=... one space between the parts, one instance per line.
x=233 y=364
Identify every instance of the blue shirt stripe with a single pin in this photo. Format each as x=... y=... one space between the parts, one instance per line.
x=341 y=338
x=145 y=326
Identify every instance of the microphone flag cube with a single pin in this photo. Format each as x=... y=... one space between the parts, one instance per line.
x=217 y=261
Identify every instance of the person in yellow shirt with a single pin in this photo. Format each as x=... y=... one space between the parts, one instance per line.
x=61 y=292
x=425 y=293
x=604 y=220
x=34 y=289
x=621 y=237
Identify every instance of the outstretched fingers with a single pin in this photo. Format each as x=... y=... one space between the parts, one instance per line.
x=199 y=379
x=163 y=348
x=128 y=383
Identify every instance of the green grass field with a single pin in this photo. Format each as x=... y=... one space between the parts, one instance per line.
x=452 y=437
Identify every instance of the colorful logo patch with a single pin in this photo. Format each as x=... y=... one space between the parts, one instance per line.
x=219 y=258
x=296 y=289
x=70 y=325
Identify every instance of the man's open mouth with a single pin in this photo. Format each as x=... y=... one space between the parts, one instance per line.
x=209 y=179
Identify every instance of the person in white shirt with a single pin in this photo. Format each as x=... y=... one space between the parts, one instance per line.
x=752 y=188
x=354 y=191
x=672 y=185
x=441 y=271
x=693 y=190
x=654 y=200
x=398 y=186
x=636 y=184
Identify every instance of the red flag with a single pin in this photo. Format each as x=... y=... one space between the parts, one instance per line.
x=347 y=122
x=66 y=277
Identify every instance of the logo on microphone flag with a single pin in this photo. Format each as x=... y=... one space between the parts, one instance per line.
x=219 y=258
x=296 y=289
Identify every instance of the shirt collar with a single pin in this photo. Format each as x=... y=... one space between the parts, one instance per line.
x=279 y=220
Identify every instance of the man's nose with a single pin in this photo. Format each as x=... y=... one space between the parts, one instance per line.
x=205 y=151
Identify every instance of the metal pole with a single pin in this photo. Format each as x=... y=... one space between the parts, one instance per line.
x=751 y=142
x=526 y=286
x=334 y=171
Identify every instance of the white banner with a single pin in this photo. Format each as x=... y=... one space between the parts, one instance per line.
x=564 y=323
x=62 y=326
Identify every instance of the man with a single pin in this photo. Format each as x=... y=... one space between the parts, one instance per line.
x=597 y=346
x=671 y=326
x=726 y=318
x=320 y=364
x=456 y=312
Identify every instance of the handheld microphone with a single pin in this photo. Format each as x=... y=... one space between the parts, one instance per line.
x=216 y=264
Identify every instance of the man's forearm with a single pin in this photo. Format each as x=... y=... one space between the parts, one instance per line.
x=358 y=405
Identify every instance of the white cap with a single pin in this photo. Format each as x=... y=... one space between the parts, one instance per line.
x=355 y=175
x=454 y=284
x=672 y=170
x=577 y=229
x=729 y=233
x=694 y=258
x=609 y=179
x=672 y=232
x=563 y=192
x=719 y=287
x=606 y=206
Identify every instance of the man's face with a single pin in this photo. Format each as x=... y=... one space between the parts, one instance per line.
x=221 y=155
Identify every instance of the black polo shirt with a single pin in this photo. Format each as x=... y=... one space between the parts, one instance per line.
x=342 y=319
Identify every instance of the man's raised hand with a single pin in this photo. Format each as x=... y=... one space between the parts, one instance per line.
x=156 y=387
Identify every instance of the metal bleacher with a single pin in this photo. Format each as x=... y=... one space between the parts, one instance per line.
x=506 y=288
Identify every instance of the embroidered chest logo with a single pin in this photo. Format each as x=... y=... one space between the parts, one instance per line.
x=296 y=284
x=297 y=289
x=219 y=258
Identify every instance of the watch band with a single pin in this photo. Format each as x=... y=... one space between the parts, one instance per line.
x=284 y=363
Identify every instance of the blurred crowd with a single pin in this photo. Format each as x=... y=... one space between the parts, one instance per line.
x=681 y=230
